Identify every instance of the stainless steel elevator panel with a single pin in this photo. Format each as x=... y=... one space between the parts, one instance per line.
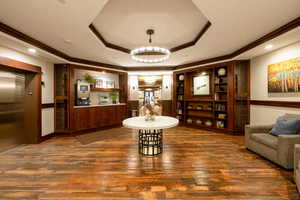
x=12 y=93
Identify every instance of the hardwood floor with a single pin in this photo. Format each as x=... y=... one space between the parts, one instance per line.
x=195 y=164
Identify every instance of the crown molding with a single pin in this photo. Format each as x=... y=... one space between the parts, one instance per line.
x=281 y=30
x=25 y=38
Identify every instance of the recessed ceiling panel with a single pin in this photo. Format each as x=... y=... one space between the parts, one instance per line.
x=124 y=22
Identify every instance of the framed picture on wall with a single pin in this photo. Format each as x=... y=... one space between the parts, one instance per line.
x=284 y=77
x=201 y=85
x=110 y=84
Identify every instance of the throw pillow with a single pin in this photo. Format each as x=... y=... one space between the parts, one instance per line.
x=285 y=127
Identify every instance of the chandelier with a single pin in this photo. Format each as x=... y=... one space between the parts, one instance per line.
x=140 y=54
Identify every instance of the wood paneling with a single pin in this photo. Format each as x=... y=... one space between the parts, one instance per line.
x=288 y=104
x=7 y=62
x=98 y=117
x=48 y=105
x=195 y=165
x=166 y=107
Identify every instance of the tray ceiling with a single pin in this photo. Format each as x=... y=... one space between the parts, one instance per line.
x=64 y=25
x=124 y=22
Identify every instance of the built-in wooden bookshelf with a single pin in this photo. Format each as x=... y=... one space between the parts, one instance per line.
x=179 y=98
x=227 y=105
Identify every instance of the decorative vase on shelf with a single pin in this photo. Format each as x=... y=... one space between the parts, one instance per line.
x=189 y=121
x=208 y=123
x=199 y=122
x=222 y=72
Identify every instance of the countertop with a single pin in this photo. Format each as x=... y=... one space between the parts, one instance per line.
x=102 y=105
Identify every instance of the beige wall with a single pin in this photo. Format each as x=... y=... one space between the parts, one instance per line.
x=259 y=86
x=47 y=90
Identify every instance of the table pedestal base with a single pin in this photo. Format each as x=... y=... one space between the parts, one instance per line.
x=150 y=142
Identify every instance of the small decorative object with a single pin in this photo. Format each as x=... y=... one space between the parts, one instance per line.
x=222 y=116
x=150 y=113
x=217 y=96
x=113 y=96
x=189 y=121
x=208 y=123
x=179 y=112
x=209 y=107
x=181 y=77
x=201 y=85
x=110 y=84
x=220 y=124
x=217 y=80
x=180 y=98
x=190 y=107
x=199 y=122
x=199 y=107
x=284 y=76
x=222 y=72
x=89 y=79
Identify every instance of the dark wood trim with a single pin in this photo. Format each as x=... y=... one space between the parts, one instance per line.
x=194 y=42
x=156 y=68
x=47 y=137
x=287 y=104
x=47 y=105
x=126 y=50
x=7 y=62
x=25 y=38
x=283 y=29
x=21 y=36
x=107 y=44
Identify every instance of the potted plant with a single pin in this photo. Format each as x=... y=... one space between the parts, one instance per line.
x=90 y=79
x=113 y=96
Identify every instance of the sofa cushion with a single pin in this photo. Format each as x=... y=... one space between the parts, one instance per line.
x=266 y=139
x=285 y=127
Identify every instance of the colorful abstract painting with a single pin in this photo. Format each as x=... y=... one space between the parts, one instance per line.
x=284 y=76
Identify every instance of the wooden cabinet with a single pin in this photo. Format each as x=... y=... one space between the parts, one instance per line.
x=98 y=117
x=226 y=107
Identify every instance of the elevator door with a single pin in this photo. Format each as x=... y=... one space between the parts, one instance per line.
x=12 y=93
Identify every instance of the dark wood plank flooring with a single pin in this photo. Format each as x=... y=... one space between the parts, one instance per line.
x=195 y=164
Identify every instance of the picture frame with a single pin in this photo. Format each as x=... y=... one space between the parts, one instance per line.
x=201 y=85
x=110 y=84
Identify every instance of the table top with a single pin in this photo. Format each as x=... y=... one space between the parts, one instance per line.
x=160 y=122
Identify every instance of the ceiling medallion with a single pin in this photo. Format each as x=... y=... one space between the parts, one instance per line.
x=140 y=54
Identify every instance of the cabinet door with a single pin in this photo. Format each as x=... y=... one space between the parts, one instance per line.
x=82 y=118
x=93 y=121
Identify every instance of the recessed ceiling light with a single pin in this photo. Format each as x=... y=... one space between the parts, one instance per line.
x=269 y=46
x=67 y=41
x=31 y=50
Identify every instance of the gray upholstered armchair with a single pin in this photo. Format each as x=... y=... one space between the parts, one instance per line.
x=279 y=149
x=297 y=166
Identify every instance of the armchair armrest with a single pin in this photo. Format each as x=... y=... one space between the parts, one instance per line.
x=296 y=155
x=250 y=129
x=258 y=129
x=286 y=148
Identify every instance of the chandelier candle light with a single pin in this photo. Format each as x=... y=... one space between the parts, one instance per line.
x=150 y=50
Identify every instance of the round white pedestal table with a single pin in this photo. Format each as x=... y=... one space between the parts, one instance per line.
x=150 y=132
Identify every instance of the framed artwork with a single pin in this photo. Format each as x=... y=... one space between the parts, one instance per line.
x=110 y=84
x=99 y=83
x=201 y=85
x=284 y=77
